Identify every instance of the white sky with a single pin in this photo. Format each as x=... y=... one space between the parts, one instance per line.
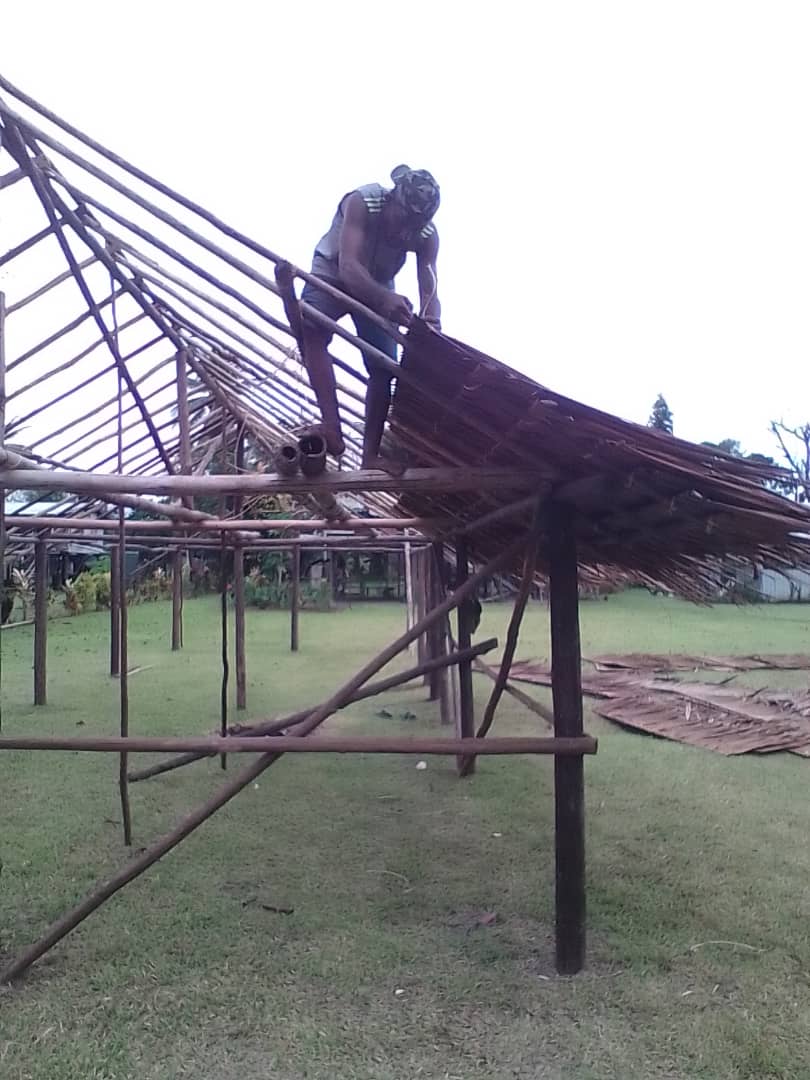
x=626 y=185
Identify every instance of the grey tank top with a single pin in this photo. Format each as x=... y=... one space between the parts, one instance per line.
x=385 y=259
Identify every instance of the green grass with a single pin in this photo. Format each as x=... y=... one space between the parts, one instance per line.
x=186 y=973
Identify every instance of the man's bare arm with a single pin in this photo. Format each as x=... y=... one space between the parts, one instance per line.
x=426 y=259
x=353 y=271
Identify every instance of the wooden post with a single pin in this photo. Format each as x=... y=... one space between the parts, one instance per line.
x=115 y=611
x=569 y=789
x=438 y=680
x=40 y=621
x=295 y=595
x=239 y=589
x=409 y=616
x=184 y=446
x=123 y=674
x=2 y=442
x=466 y=712
x=177 y=600
x=239 y=619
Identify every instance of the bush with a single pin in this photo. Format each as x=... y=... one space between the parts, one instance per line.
x=102 y=590
x=84 y=587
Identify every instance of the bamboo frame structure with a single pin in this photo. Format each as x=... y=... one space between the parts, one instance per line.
x=203 y=358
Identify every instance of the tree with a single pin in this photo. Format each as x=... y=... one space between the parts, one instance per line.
x=661 y=415
x=794 y=443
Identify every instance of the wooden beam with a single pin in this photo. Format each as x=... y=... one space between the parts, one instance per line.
x=40 y=622
x=569 y=787
x=294 y=744
x=80 y=523
x=281 y=725
x=439 y=479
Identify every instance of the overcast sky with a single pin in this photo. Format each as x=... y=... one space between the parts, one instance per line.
x=626 y=185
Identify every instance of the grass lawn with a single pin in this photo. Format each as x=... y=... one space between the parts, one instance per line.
x=698 y=877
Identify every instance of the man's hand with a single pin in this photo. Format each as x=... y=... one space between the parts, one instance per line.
x=397 y=309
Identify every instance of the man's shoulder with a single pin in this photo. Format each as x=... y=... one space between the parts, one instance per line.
x=373 y=195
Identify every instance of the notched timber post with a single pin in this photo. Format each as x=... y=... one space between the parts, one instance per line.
x=569 y=786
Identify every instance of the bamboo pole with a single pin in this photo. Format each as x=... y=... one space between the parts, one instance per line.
x=513 y=631
x=26 y=245
x=44 y=191
x=2 y=373
x=177 y=599
x=436 y=479
x=281 y=725
x=213 y=524
x=223 y=691
x=60 y=279
x=519 y=695
x=2 y=489
x=115 y=610
x=409 y=615
x=40 y=622
x=295 y=595
x=296 y=744
x=569 y=784
x=232 y=787
x=123 y=674
x=238 y=556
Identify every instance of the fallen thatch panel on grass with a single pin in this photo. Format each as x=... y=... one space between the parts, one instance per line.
x=687 y=662
x=716 y=717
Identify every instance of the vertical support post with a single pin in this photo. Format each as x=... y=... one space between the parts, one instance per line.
x=115 y=610
x=177 y=600
x=123 y=674
x=466 y=712
x=223 y=611
x=409 y=619
x=239 y=588
x=295 y=595
x=431 y=593
x=239 y=616
x=569 y=788
x=438 y=638
x=420 y=606
x=184 y=444
x=40 y=621
x=2 y=442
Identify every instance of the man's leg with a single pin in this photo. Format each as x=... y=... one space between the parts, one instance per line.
x=378 y=394
x=322 y=379
x=378 y=402
x=319 y=365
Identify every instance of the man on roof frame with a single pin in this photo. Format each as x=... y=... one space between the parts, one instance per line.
x=368 y=241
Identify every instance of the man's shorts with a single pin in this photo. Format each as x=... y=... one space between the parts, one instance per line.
x=367 y=330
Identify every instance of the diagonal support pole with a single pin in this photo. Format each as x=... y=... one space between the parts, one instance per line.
x=62 y=926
